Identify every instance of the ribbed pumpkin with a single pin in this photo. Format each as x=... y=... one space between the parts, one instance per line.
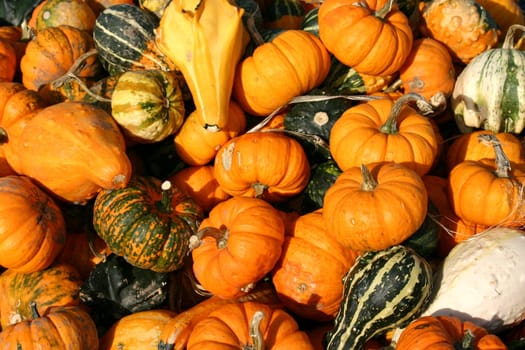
x=237 y=245
x=148 y=105
x=397 y=194
x=292 y=53
x=57 y=285
x=372 y=37
x=59 y=328
x=385 y=130
x=148 y=222
x=32 y=227
x=263 y=164
x=8 y=61
x=74 y=13
x=53 y=51
x=308 y=275
x=489 y=91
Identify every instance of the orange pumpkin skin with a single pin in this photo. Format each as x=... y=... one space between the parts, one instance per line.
x=428 y=69
x=296 y=59
x=91 y=147
x=199 y=182
x=308 y=276
x=74 y=13
x=399 y=201
x=246 y=248
x=383 y=41
x=267 y=165
x=52 y=52
x=196 y=145
x=228 y=327
x=356 y=137
x=60 y=328
x=445 y=333
x=8 y=61
x=32 y=227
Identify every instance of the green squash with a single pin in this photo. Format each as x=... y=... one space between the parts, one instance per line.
x=383 y=290
x=148 y=222
x=489 y=93
x=310 y=23
x=322 y=177
x=426 y=239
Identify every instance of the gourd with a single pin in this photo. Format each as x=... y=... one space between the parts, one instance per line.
x=283 y=14
x=204 y=39
x=124 y=36
x=488 y=91
x=148 y=222
x=479 y=277
x=75 y=13
x=383 y=290
x=8 y=60
x=322 y=178
x=148 y=105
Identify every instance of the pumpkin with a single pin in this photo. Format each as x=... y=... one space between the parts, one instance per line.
x=237 y=245
x=248 y=324
x=205 y=42
x=140 y=330
x=262 y=164
x=446 y=332
x=148 y=222
x=32 y=228
x=65 y=90
x=59 y=328
x=487 y=93
x=291 y=53
x=475 y=185
x=283 y=14
x=199 y=183
x=308 y=275
x=385 y=130
x=463 y=26
x=124 y=36
x=8 y=61
x=478 y=278
x=196 y=145
x=397 y=194
x=57 y=285
x=148 y=105
x=74 y=13
x=72 y=130
x=383 y=290
x=384 y=40
x=53 y=51
x=100 y=5
x=428 y=69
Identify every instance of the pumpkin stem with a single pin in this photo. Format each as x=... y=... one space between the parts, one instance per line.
x=255 y=331
x=75 y=68
x=34 y=311
x=369 y=183
x=503 y=167
x=509 y=41
x=220 y=236
x=165 y=200
x=467 y=342
x=259 y=189
x=385 y=10
x=390 y=126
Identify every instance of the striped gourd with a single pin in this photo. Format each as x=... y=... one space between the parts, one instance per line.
x=148 y=105
x=310 y=23
x=490 y=91
x=124 y=36
x=383 y=290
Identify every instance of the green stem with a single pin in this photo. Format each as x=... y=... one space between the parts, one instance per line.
x=165 y=200
x=503 y=168
x=390 y=126
x=255 y=331
x=34 y=310
x=467 y=343
x=385 y=10
x=369 y=183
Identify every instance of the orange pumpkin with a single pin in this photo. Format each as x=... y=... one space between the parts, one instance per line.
x=8 y=61
x=446 y=333
x=373 y=37
x=308 y=275
x=59 y=328
x=375 y=208
x=237 y=245
x=291 y=64
x=74 y=13
x=262 y=164
x=32 y=227
x=428 y=69
x=385 y=130
x=245 y=325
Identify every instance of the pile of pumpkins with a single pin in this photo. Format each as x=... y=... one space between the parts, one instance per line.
x=270 y=174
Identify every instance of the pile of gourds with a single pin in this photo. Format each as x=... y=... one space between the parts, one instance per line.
x=270 y=174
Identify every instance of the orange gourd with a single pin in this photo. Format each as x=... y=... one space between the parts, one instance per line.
x=373 y=37
x=237 y=245
x=74 y=13
x=8 y=61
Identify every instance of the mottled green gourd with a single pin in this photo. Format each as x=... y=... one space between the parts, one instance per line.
x=383 y=290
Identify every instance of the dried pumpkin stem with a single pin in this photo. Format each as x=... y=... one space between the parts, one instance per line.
x=220 y=236
x=467 y=343
x=369 y=183
x=390 y=126
x=255 y=331
x=165 y=200
x=75 y=68
x=385 y=10
x=503 y=167
x=34 y=310
x=509 y=41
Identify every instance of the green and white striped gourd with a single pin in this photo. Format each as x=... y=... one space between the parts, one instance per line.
x=148 y=105
x=489 y=93
x=124 y=36
x=383 y=290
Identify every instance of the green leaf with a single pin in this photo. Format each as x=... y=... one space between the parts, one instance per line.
x=13 y=12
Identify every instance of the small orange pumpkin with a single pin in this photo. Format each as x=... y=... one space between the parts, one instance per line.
x=74 y=13
x=8 y=61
